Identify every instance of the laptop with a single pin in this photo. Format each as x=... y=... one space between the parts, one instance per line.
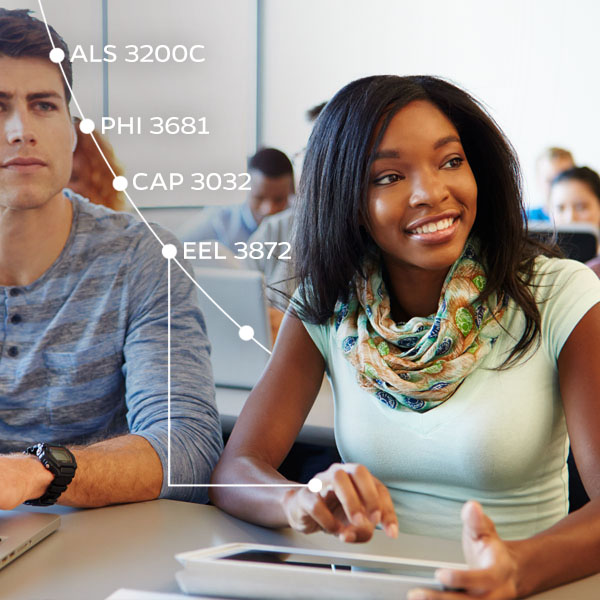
x=236 y=363
x=578 y=241
x=19 y=531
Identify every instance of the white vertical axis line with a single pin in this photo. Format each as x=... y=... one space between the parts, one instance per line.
x=203 y=485
x=168 y=371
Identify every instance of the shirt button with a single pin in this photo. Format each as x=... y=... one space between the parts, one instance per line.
x=13 y=351
x=16 y=319
x=15 y=291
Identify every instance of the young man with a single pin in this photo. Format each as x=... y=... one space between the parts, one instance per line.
x=83 y=318
x=271 y=187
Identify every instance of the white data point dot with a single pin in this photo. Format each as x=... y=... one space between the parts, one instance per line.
x=87 y=126
x=315 y=485
x=169 y=251
x=57 y=55
x=246 y=333
x=120 y=183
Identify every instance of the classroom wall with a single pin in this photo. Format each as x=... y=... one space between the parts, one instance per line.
x=221 y=89
x=533 y=62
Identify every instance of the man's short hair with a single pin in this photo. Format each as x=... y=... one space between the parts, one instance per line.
x=24 y=36
x=271 y=163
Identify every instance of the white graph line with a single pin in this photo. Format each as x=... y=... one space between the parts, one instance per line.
x=134 y=206
x=272 y=485
x=46 y=24
x=217 y=305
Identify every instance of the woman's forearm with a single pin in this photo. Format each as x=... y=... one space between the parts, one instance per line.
x=567 y=551
x=266 y=429
x=261 y=505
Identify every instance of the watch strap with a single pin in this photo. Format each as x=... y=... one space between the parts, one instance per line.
x=63 y=475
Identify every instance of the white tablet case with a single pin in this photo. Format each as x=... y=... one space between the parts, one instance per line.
x=206 y=572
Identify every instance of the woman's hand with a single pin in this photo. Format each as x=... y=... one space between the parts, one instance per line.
x=350 y=505
x=493 y=569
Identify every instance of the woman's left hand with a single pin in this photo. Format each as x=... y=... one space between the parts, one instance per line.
x=493 y=569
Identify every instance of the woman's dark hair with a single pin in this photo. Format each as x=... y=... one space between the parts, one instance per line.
x=329 y=241
x=583 y=174
x=24 y=36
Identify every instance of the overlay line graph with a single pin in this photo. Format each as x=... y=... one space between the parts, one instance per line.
x=169 y=252
x=57 y=58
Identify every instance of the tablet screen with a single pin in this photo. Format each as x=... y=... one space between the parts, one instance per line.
x=345 y=562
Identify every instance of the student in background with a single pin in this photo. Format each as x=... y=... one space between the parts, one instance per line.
x=272 y=186
x=456 y=347
x=90 y=176
x=575 y=198
x=549 y=164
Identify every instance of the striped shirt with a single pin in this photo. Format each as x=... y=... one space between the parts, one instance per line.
x=83 y=351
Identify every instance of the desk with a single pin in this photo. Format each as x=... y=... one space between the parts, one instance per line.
x=99 y=550
x=317 y=429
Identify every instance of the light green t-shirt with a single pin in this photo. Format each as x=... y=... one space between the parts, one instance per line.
x=500 y=439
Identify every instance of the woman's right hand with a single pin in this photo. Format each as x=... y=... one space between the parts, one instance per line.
x=350 y=505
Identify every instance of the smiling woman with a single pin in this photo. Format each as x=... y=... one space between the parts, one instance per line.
x=455 y=346
x=422 y=194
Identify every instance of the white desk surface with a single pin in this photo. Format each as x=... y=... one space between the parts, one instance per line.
x=97 y=551
x=317 y=429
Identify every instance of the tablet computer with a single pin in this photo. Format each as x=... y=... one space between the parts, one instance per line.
x=254 y=571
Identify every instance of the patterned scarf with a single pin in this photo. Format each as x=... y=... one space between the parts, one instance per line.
x=421 y=363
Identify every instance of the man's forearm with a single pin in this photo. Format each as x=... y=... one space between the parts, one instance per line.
x=121 y=469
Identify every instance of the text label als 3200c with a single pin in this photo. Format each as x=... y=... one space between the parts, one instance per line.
x=144 y=53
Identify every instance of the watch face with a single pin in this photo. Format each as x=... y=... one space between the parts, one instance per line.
x=60 y=454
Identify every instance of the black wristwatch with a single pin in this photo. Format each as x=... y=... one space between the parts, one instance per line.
x=61 y=463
